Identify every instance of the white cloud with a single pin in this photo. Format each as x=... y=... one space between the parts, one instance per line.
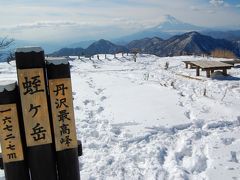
x=121 y=22
x=70 y=30
x=45 y=24
x=238 y=5
x=217 y=2
x=41 y=25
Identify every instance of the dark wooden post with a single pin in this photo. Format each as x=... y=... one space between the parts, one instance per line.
x=208 y=73
x=135 y=57
x=1 y=161
x=197 y=71
x=225 y=71
x=58 y=72
x=15 y=166
x=32 y=84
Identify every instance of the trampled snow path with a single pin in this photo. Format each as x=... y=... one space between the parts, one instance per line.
x=140 y=121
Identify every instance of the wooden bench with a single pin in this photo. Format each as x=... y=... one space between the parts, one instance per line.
x=211 y=66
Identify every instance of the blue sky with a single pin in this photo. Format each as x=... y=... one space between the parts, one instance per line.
x=76 y=20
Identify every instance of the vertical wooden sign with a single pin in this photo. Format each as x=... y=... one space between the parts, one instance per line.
x=10 y=136
x=62 y=113
x=34 y=106
x=32 y=84
x=60 y=90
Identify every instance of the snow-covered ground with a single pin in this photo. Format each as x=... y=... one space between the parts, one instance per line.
x=138 y=120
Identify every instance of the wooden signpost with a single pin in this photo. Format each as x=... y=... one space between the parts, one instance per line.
x=60 y=90
x=32 y=84
x=14 y=164
x=37 y=124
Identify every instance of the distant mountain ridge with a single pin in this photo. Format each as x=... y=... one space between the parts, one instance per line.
x=99 y=47
x=187 y=43
x=145 y=44
x=104 y=47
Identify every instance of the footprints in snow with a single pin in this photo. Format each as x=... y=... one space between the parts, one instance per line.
x=99 y=91
x=103 y=98
x=94 y=105
x=86 y=102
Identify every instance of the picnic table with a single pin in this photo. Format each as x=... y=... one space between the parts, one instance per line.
x=209 y=66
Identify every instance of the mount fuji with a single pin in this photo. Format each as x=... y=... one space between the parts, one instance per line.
x=172 y=25
x=167 y=28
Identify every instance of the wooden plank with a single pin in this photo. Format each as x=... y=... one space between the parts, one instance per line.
x=34 y=106
x=211 y=64
x=62 y=113
x=11 y=143
x=215 y=68
x=232 y=62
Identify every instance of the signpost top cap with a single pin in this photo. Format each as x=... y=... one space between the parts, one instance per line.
x=57 y=61
x=8 y=85
x=27 y=49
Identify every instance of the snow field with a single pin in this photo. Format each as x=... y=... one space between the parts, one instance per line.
x=142 y=121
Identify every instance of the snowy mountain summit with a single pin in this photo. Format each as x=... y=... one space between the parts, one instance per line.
x=171 y=24
x=168 y=19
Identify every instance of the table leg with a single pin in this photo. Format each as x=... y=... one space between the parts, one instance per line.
x=208 y=73
x=225 y=72
x=197 y=71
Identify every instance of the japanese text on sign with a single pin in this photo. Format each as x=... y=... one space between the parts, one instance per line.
x=63 y=116
x=35 y=109
x=10 y=134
